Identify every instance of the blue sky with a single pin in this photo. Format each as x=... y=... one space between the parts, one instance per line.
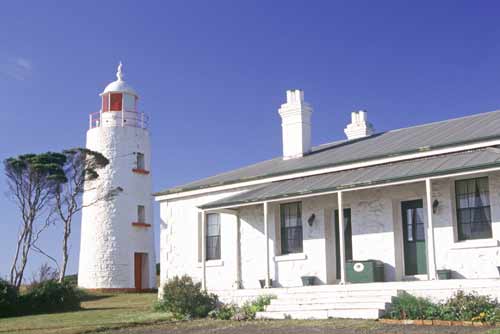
x=212 y=74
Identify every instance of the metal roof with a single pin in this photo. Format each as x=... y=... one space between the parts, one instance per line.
x=430 y=136
x=378 y=174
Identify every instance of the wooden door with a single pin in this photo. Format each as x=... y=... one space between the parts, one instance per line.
x=138 y=270
x=415 y=253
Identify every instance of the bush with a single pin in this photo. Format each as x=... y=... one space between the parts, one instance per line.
x=258 y=305
x=71 y=279
x=8 y=299
x=247 y=311
x=461 y=307
x=465 y=307
x=406 y=306
x=224 y=312
x=48 y=297
x=185 y=299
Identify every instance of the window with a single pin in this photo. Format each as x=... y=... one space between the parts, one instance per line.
x=140 y=161
x=291 y=228
x=473 y=209
x=129 y=102
x=105 y=102
x=141 y=214
x=213 y=237
x=115 y=102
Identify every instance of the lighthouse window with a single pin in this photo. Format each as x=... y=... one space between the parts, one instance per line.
x=115 y=102
x=141 y=214
x=129 y=101
x=105 y=103
x=213 y=236
x=140 y=161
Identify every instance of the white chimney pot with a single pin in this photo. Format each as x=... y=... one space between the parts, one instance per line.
x=359 y=127
x=296 y=125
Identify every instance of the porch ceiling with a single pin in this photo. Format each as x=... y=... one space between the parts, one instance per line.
x=380 y=174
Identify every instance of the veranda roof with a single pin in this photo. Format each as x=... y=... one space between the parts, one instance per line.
x=373 y=175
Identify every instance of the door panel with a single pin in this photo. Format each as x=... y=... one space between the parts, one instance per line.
x=415 y=253
x=347 y=238
x=138 y=270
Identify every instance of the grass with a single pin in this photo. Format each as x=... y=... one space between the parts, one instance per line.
x=100 y=312
x=103 y=313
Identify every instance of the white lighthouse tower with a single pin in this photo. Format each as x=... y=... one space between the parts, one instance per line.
x=117 y=239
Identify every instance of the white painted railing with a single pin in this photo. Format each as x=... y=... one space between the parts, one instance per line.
x=119 y=118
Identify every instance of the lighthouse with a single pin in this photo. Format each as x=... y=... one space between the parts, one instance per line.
x=117 y=250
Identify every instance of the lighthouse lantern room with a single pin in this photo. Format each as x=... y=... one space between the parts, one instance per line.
x=117 y=239
x=119 y=105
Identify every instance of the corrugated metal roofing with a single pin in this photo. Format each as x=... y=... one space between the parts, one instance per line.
x=457 y=131
x=379 y=174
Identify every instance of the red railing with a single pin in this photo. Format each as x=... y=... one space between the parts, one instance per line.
x=119 y=118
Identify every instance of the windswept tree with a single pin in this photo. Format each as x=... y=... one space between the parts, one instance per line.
x=81 y=168
x=32 y=180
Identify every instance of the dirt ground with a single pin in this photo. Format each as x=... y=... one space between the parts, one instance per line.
x=297 y=327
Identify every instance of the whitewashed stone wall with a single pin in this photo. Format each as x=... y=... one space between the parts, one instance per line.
x=376 y=234
x=466 y=259
x=108 y=239
x=180 y=242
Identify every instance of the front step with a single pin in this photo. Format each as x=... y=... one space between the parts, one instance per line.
x=327 y=304
x=323 y=314
x=332 y=299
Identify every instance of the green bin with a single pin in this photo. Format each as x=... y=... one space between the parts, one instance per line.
x=444 y=274
x=367 y=271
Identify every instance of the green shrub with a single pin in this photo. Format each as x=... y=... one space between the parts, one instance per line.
x=48 y=297
x=185 y=299
x=224 y=312
x=246 y=312
x=71 y=279
x=406 y=306
x=465 y=307
x=461 y=307
x=258 y=305
x=8 y=299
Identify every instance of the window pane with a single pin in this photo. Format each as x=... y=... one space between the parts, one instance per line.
x=291 y=228
x=409 y=224
x=473 y=208
x=115 y=102
x=419 y=224
x=129 y=102
x=140 y=161
x=213 y=226
x=105 y=102
x=213 y=236
x=141 y=214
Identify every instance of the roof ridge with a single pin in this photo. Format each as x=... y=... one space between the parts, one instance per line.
x=410 y=127
x=445 y=120
x=485 y=128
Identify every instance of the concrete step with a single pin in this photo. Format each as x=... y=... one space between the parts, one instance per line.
x=326 y=306
x=340 y=293
x=352 y=313
x=320 y=299
x=323 y=303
